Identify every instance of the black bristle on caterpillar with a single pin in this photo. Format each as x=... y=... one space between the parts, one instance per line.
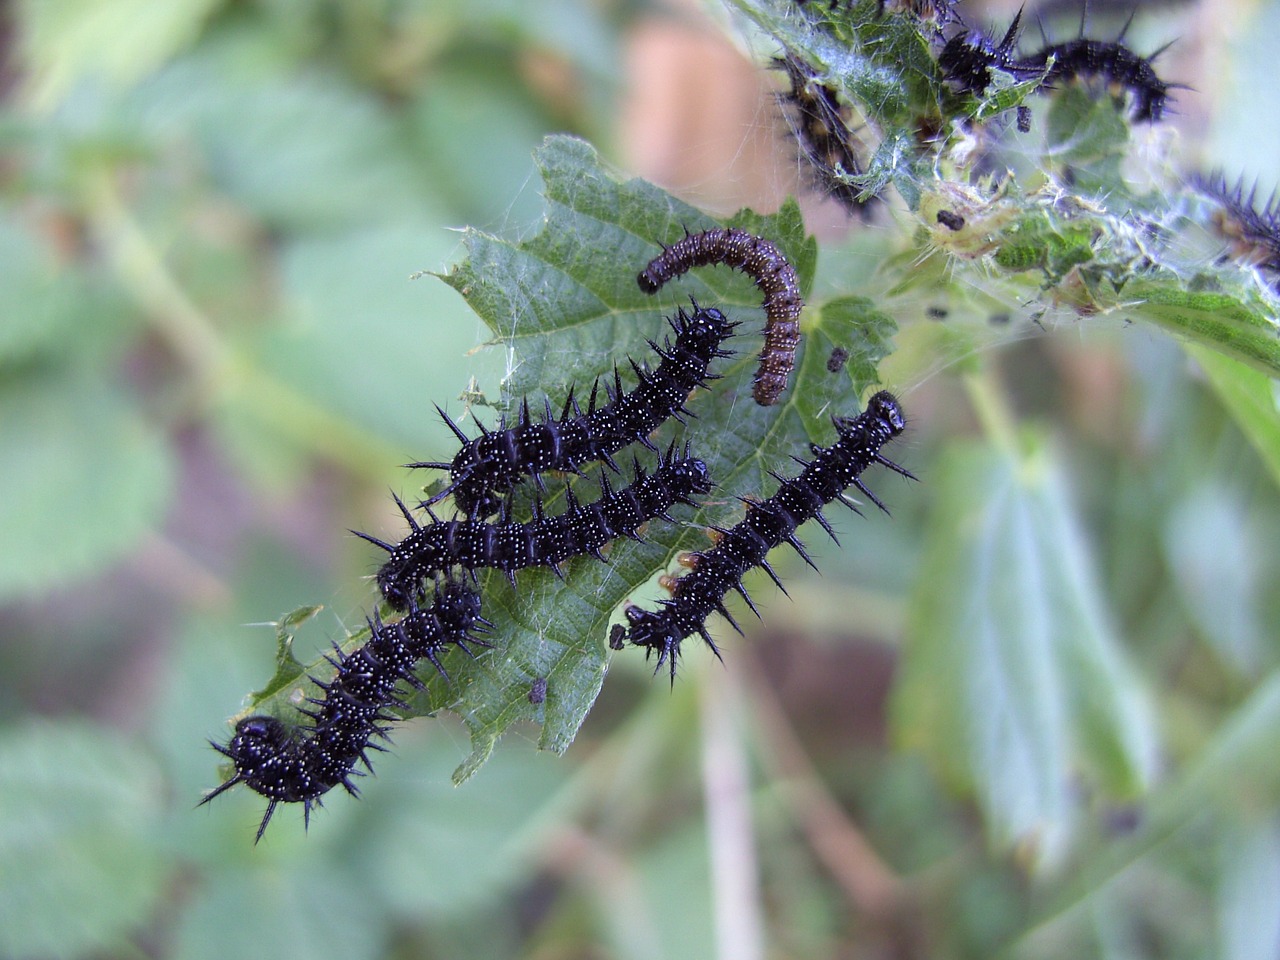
x=1252 y=232
x=489 y=465
x=818 y=122
x=301 y=765
x=546 y=541
x=1117 y=64
x=767 y=524
x=967 y=60
x=774 y=276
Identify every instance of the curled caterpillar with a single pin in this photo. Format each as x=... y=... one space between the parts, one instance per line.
x=817 y=120
x=300 y=766
x=489 y=465
x=545 y=541
x=967 y=61
x=774 y=276
x=1253 y=232
x=700 y=592
x=1117 y=64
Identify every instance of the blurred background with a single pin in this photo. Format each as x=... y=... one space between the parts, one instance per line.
x=213 y=360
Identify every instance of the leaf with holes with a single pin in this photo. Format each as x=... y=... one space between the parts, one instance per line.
x=566 y=314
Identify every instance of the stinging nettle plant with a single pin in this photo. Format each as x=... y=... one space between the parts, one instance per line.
x=1055 y=211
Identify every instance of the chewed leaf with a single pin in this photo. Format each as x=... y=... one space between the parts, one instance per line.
x=288 y=667
x=566 y=314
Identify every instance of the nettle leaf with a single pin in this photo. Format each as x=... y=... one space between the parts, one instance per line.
x=565 y=306
x=1014 y=684
x=882 y=64
x=1243 y=326
x=78 y=840
x=288 y=668
x=1252 y=399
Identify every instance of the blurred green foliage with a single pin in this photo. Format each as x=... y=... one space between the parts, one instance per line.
x=1032 y=716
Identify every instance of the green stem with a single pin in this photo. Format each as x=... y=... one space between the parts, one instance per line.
x=992 y=409
x=218 y=370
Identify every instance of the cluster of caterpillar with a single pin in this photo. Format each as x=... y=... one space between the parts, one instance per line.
x=968 y=59
x=425 y=575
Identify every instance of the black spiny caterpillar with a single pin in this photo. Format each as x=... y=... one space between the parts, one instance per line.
x=769 y=523
x=300 y=766
x=968 y=59
x=489 y=465
x=1253 y=232
x=544 y=541
x=818 y=121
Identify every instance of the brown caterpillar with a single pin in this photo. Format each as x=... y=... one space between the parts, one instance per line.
x=774 y=276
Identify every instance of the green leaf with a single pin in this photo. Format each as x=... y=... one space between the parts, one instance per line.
x=298 y=908
x=1013 y=681
x=1234 y=777
x=1252 y=398
x=67 y=41
x=1248 y=881
x=564 y=315
x=1242 y=327
x=288 y=668
x=1219 y=566
x=41 y=299
x=855 y=326
x=352 y=289
x=78 y=812
x=84 y=479
x=267 y=138
x=1083 y=129
x=478 y=174
x=882 y=64
x=478 y=841
x=1236 y=771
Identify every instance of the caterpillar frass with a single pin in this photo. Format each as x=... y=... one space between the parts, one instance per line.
x=489 y=465
x=767 y=524
x=1254 y=234
x=774 y=276
x=816 y=119
x=545 y=541
x=967 y=61
x=300 y=766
